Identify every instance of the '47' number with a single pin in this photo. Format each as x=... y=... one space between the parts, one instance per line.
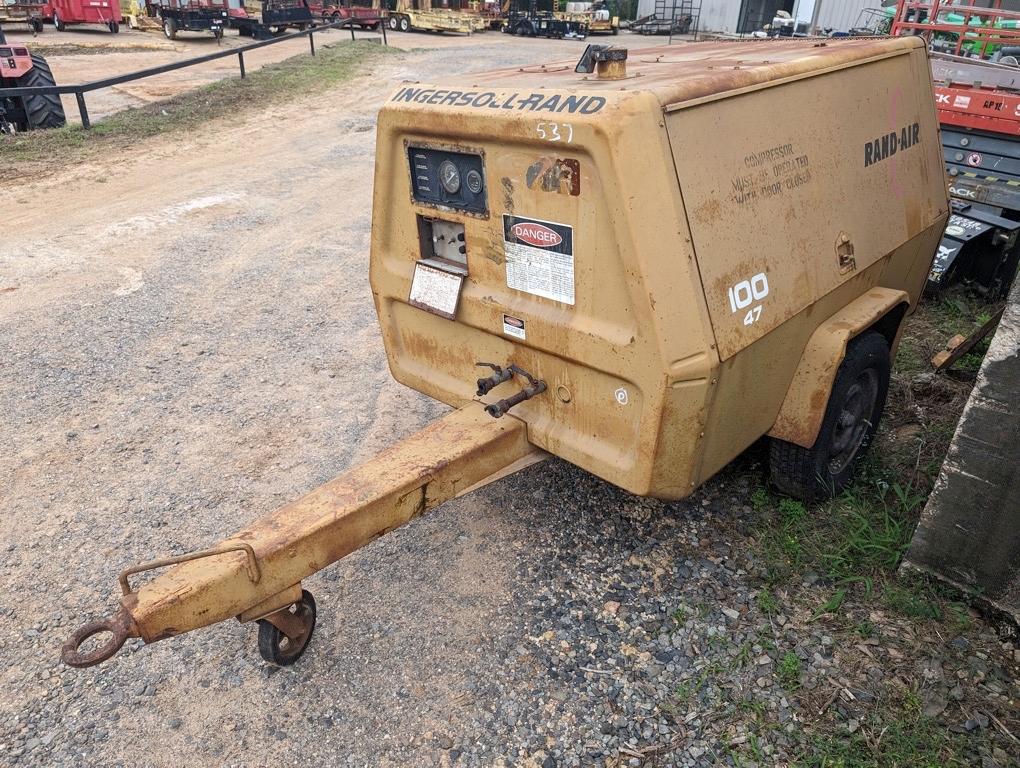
x=745 y=293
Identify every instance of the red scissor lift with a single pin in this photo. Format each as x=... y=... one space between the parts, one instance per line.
x=975 y=55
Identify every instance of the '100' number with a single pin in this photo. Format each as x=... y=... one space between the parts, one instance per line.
x=745 y=293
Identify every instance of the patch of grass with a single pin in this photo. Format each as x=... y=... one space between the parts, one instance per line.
x=289 y=79
x=789 y=670
x=918 y=600
x=767 y=602
x=900 y=738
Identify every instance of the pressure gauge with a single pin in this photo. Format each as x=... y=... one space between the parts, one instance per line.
x=449 y=177
x=474 y=181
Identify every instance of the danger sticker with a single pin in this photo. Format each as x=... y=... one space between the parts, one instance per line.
x=513 y=326
x=539 y=258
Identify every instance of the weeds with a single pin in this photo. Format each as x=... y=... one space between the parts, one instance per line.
x=901 y=738
x=789 y=670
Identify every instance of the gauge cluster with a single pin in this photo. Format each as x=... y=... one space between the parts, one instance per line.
x=448 y=179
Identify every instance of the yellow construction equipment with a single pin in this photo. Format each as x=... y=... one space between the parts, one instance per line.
x=419 y=16
x=641 y=266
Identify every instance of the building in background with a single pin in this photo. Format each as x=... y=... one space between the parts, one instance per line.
x=746 y=16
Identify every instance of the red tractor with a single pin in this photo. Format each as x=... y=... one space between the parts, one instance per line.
x=21 y=69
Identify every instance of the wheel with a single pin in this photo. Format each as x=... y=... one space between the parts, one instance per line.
x=855 y=405
x=40 y=111
x=37 y=26
x=114 y=27
x=275 y=647
x=170 y=29
x=405 y=24
x=58 y=23
x=393 y=23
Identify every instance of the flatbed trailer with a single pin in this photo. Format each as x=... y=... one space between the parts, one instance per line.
x=275 y=17
x=419 y=16
x=176 y=16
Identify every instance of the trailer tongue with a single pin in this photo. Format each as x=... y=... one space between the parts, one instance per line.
x=257 y=573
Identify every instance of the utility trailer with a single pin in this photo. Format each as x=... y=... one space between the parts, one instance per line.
x=977 y=96
x=73 y=13
x=176 y=16
x=20 y=68
x=275 y=18
x=419 y=16
x=27 y=12
x=571 y=259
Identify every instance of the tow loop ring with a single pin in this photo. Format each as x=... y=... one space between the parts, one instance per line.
x=119 y=628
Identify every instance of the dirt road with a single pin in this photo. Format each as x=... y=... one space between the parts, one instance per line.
x=188 y=341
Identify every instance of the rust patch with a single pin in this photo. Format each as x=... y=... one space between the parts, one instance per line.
x=709 y=211
x=508 y=194
x=553 y=174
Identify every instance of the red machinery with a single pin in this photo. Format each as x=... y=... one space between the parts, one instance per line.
x=974 y=61
x=366 y=16
x=66 y=13
x=959 y=27
x=19 y=68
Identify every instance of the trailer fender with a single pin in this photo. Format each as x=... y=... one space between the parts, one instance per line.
x=800 y=416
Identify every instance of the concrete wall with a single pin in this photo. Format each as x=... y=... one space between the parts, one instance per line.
x=969 y=533
x=723 y=15
x=716 y=15
x=842 y=14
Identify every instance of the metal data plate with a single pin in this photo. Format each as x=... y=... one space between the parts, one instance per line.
x=965 y=229
x=436 y=290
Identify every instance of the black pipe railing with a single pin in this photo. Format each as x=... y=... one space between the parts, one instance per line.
x=79 y=91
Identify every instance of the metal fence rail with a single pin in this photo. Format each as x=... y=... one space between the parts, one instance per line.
x=81 y=89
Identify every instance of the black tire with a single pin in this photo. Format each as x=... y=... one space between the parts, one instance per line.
x=405 y=24
x=274 y=646
x=58 y=23
x=393 y=23
x=170 y=29
x=41 y=111
x=114 y=27
x=856 y=402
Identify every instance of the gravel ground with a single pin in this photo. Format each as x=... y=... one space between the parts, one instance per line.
x=182 y=357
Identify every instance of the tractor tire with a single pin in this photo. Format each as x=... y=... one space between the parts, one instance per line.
x=42 y=111
x=405 y=24
x=170 y=29
x=58 y=23
x=855 y=405
x=393 y=23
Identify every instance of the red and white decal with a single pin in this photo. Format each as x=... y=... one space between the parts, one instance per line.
x=536 y=234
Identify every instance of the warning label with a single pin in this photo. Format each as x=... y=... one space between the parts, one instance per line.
x=539 y=257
